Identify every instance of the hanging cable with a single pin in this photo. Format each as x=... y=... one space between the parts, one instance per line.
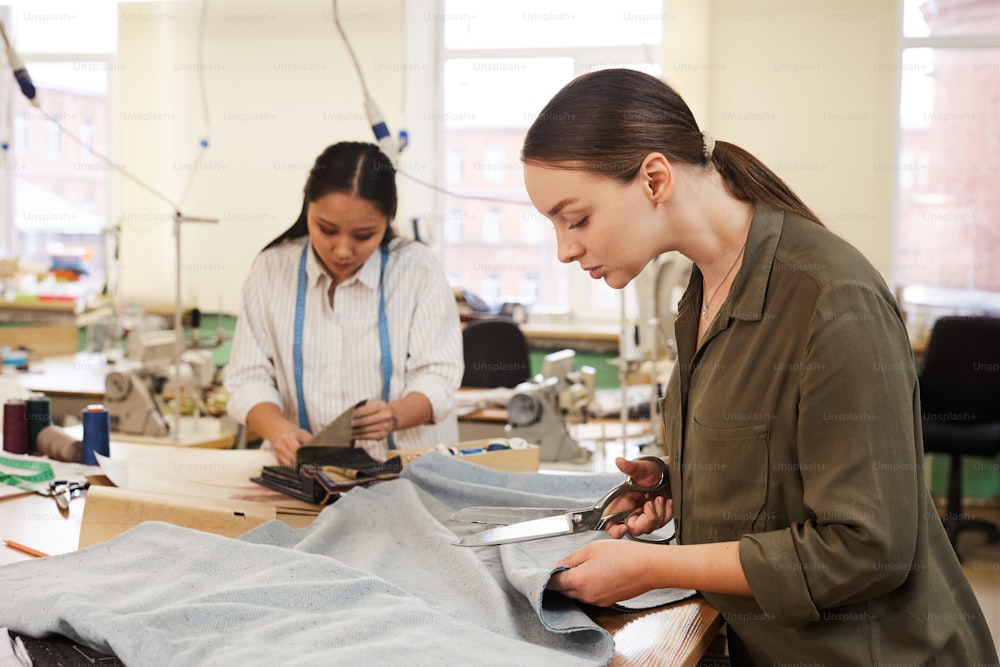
x=384 y=137
x=445 y=191
x=203 y=142
x=29 y=91
x=350 y=51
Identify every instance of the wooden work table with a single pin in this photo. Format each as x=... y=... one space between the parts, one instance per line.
x=677 y=634
x=595 y=338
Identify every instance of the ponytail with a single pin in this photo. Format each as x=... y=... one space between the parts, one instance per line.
x=608 y=121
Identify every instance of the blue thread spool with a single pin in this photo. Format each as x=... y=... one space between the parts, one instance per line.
x=96 y=433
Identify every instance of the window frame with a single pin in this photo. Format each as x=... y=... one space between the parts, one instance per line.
x=904 y=43
x=9 y=91
x=426 y=129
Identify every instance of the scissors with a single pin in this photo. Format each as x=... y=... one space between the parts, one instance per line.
x=62 y=491
x=534 y=523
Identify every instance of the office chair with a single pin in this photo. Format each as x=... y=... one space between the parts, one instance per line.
x=496 y=353
x=960 y=405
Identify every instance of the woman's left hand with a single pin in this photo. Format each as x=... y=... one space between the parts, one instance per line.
x=374 y=420
x=608 y=571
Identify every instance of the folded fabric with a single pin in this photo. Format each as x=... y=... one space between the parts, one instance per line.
x=373 y=580
x=12 y=652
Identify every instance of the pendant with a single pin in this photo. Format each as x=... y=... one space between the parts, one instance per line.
x=704 y=313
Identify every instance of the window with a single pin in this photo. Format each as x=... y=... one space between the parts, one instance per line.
x=490 y=288
x=532 y=226
x=59 y=197
x=947 y=237
x=454 y=165
x=491 y=226
x=55 y=140
x=87 y=140
x=453 y=226
x=20 y=146
x=493 y=166
x=499 y=64
x=529 y=289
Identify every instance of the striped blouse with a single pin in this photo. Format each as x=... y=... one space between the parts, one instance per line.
x=340 y=347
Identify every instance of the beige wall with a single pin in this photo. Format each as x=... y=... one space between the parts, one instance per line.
x=280 y=87
x=809 y=87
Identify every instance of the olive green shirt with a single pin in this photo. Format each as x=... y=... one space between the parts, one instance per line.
x=795 y=429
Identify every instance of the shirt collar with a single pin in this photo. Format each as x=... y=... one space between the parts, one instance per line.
x=367 y=275
x=747 y=294
x=758 y=260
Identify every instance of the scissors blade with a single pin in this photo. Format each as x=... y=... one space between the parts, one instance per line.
x=62 y=495
x=504 y=515
x=552 y=526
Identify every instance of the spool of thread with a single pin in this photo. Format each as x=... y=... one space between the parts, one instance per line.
x=59 y=445
x=96 y=433
x=15 y=426
x=39 y=416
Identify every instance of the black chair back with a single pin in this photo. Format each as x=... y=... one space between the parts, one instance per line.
x=496 y=353
x=960 y=381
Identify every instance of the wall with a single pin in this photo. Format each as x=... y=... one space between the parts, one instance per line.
x=809 y=88
x=279 y=88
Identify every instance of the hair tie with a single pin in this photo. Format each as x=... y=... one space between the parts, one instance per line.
x=707 y=145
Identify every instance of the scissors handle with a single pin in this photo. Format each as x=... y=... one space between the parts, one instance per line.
x=628 y=485
x=617 y=517
x=664 y=481
x=62 y=491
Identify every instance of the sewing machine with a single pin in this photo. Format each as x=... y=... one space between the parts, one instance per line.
x=539 y=409
x=131 y=393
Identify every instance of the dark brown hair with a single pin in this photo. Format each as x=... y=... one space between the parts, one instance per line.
x=353 y=168
x=609 y=121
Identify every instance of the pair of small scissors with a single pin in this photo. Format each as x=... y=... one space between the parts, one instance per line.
x=62 y=491
x=533 y=523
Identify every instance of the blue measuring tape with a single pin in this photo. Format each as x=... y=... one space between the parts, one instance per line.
x=383 y=338
x=300 y=316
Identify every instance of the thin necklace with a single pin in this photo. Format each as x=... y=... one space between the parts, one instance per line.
x=704 y=309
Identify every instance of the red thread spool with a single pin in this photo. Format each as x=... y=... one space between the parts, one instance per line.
x=15 y=426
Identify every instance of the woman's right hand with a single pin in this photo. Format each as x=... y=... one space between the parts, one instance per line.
x=285 y=436
x=286 y=442
x=652 y=512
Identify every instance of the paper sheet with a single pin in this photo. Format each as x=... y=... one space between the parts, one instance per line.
x=207 y=473
x=222 y=474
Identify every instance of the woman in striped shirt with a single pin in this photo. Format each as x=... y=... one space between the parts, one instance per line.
x=338 y=310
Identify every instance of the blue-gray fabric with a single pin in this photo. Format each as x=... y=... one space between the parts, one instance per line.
x=373 y=580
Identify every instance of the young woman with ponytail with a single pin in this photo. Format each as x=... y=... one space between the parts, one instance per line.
x=792 y=417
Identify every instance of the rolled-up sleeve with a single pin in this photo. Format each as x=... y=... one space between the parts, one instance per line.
x=250 y=374
x=857 y=461
x=434 y=363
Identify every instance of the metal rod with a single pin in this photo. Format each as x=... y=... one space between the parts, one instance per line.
x=178 y=326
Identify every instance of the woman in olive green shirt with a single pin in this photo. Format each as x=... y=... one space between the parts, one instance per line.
x=792 y=417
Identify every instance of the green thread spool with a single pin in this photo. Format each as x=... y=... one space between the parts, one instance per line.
x=39 y=416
